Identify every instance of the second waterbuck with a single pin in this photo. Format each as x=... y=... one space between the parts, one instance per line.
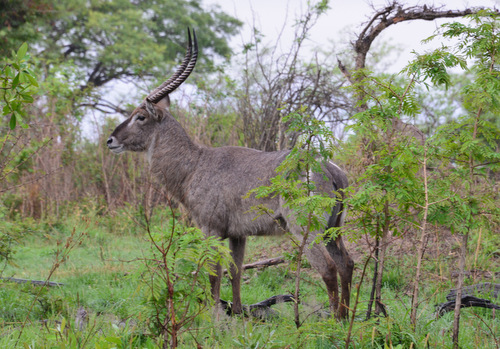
x=211 y=184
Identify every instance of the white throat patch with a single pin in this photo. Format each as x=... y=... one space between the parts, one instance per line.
x=151 y=149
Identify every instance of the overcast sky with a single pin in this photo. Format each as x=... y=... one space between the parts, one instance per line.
x=343 y=20
x=340 y=24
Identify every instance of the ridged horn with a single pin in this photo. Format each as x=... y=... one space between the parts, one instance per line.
x=180 y=75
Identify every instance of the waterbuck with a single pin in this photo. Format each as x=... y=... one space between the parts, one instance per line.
x=211 y=184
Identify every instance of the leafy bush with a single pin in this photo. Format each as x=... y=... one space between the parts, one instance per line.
x=175 y=275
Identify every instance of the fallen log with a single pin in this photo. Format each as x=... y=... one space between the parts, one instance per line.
x=262 y=263
x=469 y=298
x=33 y=282
x=467 y=301
x=260 y=309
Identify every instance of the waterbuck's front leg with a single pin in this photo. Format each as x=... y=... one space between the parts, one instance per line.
x=237 y=247
x=215 y=277
x=215 y=281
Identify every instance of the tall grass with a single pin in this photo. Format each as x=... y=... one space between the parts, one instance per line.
x=102 y=276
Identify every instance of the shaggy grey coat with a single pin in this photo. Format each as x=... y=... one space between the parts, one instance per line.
x=211 y=184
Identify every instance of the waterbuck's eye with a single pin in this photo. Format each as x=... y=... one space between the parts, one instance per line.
x=141 y=117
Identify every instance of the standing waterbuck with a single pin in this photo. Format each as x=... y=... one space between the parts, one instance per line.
x=211 y=184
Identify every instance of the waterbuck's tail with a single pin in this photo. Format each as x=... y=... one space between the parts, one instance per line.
x=335 y=245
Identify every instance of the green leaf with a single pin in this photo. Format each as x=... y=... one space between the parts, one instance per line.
x=6 y=109
x=21 y=53
x=27 y=98
x=15 y=81
x=12 y=123
x=32 y=79
x=7 y=70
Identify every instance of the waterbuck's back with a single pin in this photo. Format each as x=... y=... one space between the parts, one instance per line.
x=216 y=191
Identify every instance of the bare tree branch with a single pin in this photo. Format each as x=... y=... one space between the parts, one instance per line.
x=390 y=15
x=107 y=107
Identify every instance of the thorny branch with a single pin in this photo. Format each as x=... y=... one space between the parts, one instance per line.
x=390 y=15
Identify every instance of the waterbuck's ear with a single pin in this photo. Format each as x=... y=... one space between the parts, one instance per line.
x=150 y=108
x=164 y=103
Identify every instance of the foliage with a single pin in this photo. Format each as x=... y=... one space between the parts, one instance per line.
x=295 y=185
x=17 y=86
x=19 y=20
x=294 y=182
x=178 y=287
x=386 y=154
x=11 y=237
x=395 y=191
x=468 y=145
x=256 y=339
x=388 y=189
x=75 y=182
x=103 y=276
x=117 y=39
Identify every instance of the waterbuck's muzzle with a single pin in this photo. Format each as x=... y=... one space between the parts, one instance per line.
x=114 y=146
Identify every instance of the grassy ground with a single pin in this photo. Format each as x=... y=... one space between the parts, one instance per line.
x=101 y=275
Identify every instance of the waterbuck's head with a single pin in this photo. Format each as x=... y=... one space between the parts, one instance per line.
x=138 y=131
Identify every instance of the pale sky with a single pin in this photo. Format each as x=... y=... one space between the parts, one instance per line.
x=339 y=24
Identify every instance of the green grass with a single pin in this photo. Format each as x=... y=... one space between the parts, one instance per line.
x=102 y=275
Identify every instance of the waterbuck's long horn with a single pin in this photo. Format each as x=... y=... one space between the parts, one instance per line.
x=180 y=75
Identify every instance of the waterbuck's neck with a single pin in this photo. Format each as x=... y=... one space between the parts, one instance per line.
x=173 y=156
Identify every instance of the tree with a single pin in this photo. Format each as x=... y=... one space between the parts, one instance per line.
x=275 y=85
x=83 y=48
x=470 y=143
x=19 y=20
x=311 y=207
x=17 y=86
x=122 y=40
x=390 y=193
x=394 y=13
x=386 y=192
x=375 y=102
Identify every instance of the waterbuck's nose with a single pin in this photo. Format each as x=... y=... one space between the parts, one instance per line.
x=110 y=141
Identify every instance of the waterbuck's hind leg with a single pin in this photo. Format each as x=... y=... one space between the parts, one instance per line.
x=237 y=247
x=343 y=262
x=345 y=267
x=320 y=259
x=332 y=287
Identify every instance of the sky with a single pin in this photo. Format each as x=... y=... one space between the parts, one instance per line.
x=342 y=21
x=336 y=28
